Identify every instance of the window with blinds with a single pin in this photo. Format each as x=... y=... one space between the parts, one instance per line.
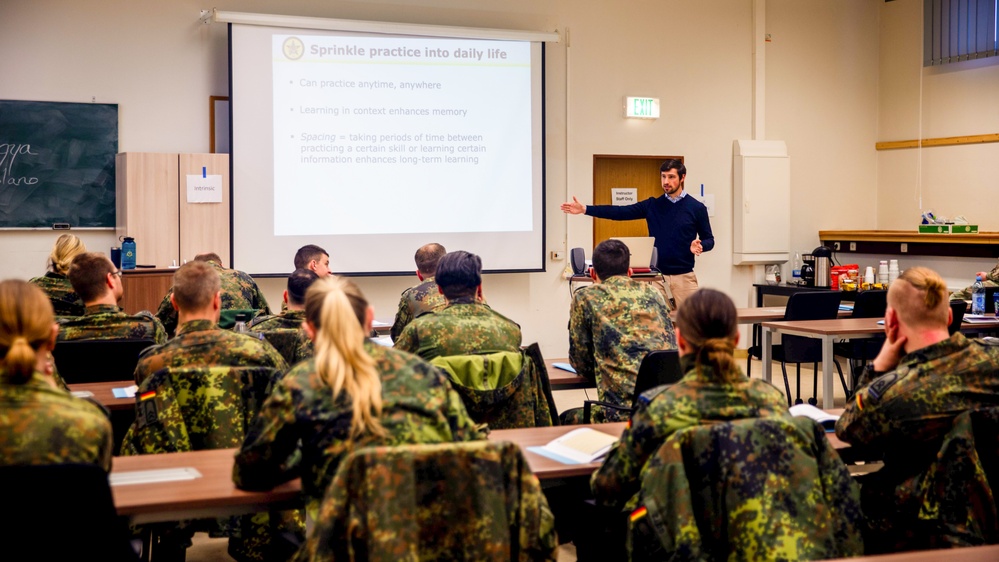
x=957 y=30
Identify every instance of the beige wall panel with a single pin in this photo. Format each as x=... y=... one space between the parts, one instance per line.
x=204 y=227
x=146 y=205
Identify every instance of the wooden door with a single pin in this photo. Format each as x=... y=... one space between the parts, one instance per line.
x=612 y=171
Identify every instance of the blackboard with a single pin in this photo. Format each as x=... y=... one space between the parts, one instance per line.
x=57 y=164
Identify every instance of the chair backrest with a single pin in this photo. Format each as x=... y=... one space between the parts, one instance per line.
x=81 y=361
x=457 y=501
x=958 y=308
x=228 y=318
x=870 y=304
x=658 y=368
x=292 y=343
x=811 y=305
x=773 y=487
x=62 y=512
x=196 y=408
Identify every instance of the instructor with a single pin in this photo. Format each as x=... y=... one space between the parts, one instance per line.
x=677 y=222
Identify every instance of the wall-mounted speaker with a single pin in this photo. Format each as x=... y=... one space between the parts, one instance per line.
x=578 y=261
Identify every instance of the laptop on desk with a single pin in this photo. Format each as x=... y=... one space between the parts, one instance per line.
x=640 y=248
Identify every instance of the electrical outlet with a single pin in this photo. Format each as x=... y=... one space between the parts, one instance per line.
x=853 y=246
x=836 y=246
x=557 y=255
x=905 y=247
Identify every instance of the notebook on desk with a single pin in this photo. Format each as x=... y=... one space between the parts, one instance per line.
x=640 y=248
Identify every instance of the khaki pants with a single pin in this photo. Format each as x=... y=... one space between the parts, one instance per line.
x=681 y=286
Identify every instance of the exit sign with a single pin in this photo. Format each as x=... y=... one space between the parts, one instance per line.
x=641 y=108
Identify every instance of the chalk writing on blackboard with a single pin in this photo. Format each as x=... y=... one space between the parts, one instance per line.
x=57 y=164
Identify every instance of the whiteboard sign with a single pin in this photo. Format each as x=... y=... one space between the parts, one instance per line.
x=204 y=189
x=624 y=195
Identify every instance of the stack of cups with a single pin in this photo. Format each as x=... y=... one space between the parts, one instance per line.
x=892 y=271
x=868 y=278
x=883 y=272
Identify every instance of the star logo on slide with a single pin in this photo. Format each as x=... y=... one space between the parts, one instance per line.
x=293 y=48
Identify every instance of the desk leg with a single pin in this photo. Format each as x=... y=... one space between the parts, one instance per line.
x=827 y=375
x=767 y=353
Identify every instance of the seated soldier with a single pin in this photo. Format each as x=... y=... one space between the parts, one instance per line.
x=239 y=292
x=909 y=396
x=613 y=324
x=466 y=325
x=41 y=423
x=98 y=282
x=55 y=283
x=293 y=315
x=313 y=258
x=197 y=299
x=425 y=297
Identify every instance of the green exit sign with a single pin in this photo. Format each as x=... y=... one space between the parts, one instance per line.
x=641 y=108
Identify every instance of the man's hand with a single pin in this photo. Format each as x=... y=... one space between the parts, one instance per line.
x=892 y=350
x=696 y=248
x=574 y=208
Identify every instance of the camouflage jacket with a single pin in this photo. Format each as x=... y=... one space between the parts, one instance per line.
x=44 y=425
x=463 y=327
x=200 y=343
x=505 y=389
x=239 y=292
x=699 y=398
x=284 y=331
x=751 y=489
x=612 y=326
x=105 y=322
x=418 y=406
x=65 y=302
x=474 y=501
x=425 y=297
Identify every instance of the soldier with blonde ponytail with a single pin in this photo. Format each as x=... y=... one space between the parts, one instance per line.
x=353 y=393
x=41 y=423
x=55 y=283
x=922 y=378
x=713 y=389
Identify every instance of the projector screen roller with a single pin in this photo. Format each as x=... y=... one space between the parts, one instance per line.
x=371 y=145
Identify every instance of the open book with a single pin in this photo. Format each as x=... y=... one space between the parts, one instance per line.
x=579 y=446
x=984 y=318
x=825 y=419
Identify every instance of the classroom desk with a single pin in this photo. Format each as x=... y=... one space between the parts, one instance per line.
x=989 y=553
x=212 y=495
x=103 y=394
x=544 y=467
x=564 y=380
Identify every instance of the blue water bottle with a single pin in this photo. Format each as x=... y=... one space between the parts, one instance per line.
x=978 y=296
x=128 y=253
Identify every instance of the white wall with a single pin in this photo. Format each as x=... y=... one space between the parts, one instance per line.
x=161 y=65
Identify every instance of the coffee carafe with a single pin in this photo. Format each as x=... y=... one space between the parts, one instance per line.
x=823 y=266
x=808 y=270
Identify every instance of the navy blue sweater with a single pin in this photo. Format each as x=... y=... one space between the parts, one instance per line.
x=673 y=225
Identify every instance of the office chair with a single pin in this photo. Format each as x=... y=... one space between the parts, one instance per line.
x=62 y=512
x=958 y=307
x=657 y=368
x=818 y=305
x=81 y=361
x=869 y=304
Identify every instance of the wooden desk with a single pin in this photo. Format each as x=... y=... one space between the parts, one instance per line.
x=212 y=495
x=143 y=289
x=105 y=396
x=564 y=380
x=988 y=553
x=544 y=467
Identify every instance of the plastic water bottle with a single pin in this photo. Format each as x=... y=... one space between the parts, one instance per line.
x=796 y=269
x=128 y=253
x=240 y=326
x=978 y=296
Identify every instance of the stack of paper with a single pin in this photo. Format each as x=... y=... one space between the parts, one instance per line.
x=579 y=446
x=825 y=419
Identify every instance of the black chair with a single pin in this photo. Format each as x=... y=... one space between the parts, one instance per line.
x=62 y=512
x=819 y=305
x=869 y=304
x=958 y=307
x=81 y=361
x=658 y=368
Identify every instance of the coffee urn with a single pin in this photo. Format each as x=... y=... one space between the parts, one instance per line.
x=823 y=266
x=808 y=270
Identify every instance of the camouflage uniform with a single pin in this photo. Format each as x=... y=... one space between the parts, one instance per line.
x=991 y=280
x=107 y=322
x=418 y=406
x=289 y=321
x=44 y=425
x=65 y=302
x=200 y=343
x=750 y=489
x=612 y=326
x=239 y=292
x=907 y=412
x=463 y=327
x=696 y=399
x=473 y=501
x=425 y=297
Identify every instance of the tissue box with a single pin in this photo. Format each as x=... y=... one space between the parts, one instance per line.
x=964 y=229
x=948 y=229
